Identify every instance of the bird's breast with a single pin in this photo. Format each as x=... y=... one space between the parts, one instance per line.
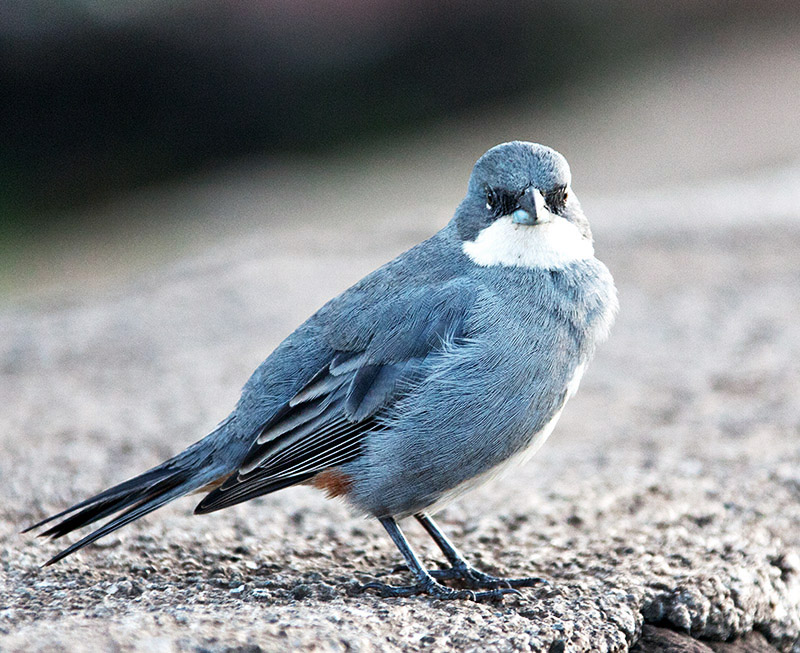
x=546 y=246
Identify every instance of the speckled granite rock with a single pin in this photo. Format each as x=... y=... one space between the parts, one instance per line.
x=669 y=494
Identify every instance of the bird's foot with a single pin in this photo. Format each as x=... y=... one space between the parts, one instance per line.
x=475 y=579
x=436 y=590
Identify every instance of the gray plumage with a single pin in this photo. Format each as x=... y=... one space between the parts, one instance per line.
x=430 y=372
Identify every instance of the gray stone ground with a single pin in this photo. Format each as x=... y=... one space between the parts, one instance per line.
x=669 y=494
x=664 y=510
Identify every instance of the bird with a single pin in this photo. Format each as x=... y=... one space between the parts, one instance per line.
x=427 y=377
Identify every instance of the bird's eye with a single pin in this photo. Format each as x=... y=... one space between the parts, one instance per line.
x=556 y=199
x=491 y=199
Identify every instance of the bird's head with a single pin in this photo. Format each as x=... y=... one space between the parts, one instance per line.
x=520 y=210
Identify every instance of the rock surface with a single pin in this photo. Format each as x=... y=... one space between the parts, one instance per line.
x=669 y=494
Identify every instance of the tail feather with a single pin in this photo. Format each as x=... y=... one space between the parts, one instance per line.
x=138 y=504
x=132 y=499
x=206 y=462
x=107 y=497
x=86 y=516
x=104 y=508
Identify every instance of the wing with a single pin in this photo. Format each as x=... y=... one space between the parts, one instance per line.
x=381 y=350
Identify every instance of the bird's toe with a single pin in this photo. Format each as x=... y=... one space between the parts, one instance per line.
x=476 y=579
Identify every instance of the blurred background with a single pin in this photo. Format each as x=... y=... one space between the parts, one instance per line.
x=133 y=131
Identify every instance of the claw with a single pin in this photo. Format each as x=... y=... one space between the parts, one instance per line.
x=479 y=580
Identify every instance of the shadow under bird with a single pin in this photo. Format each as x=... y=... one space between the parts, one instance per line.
x=421 y=381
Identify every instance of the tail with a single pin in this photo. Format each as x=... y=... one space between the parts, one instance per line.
x=194 y=468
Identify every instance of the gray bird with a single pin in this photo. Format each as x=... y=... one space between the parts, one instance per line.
x=421 y=381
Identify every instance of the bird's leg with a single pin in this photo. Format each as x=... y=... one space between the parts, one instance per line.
x=460 y=569
x=427 y=584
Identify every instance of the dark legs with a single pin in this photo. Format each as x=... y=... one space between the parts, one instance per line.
x=460 y=569
x=427 y=584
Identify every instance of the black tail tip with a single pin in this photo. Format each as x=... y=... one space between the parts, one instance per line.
x=38 y=524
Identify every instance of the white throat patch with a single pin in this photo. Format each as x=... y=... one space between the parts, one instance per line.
x=546 y=245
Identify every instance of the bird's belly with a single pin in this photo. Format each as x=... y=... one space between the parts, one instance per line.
x=519 y=458
x=403 y=485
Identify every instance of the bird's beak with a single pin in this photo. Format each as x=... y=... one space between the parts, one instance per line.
x=531 y=208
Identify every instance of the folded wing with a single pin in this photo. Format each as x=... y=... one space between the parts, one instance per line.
x=381 y=351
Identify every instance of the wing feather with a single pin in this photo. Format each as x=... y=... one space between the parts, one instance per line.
x=323 y=425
